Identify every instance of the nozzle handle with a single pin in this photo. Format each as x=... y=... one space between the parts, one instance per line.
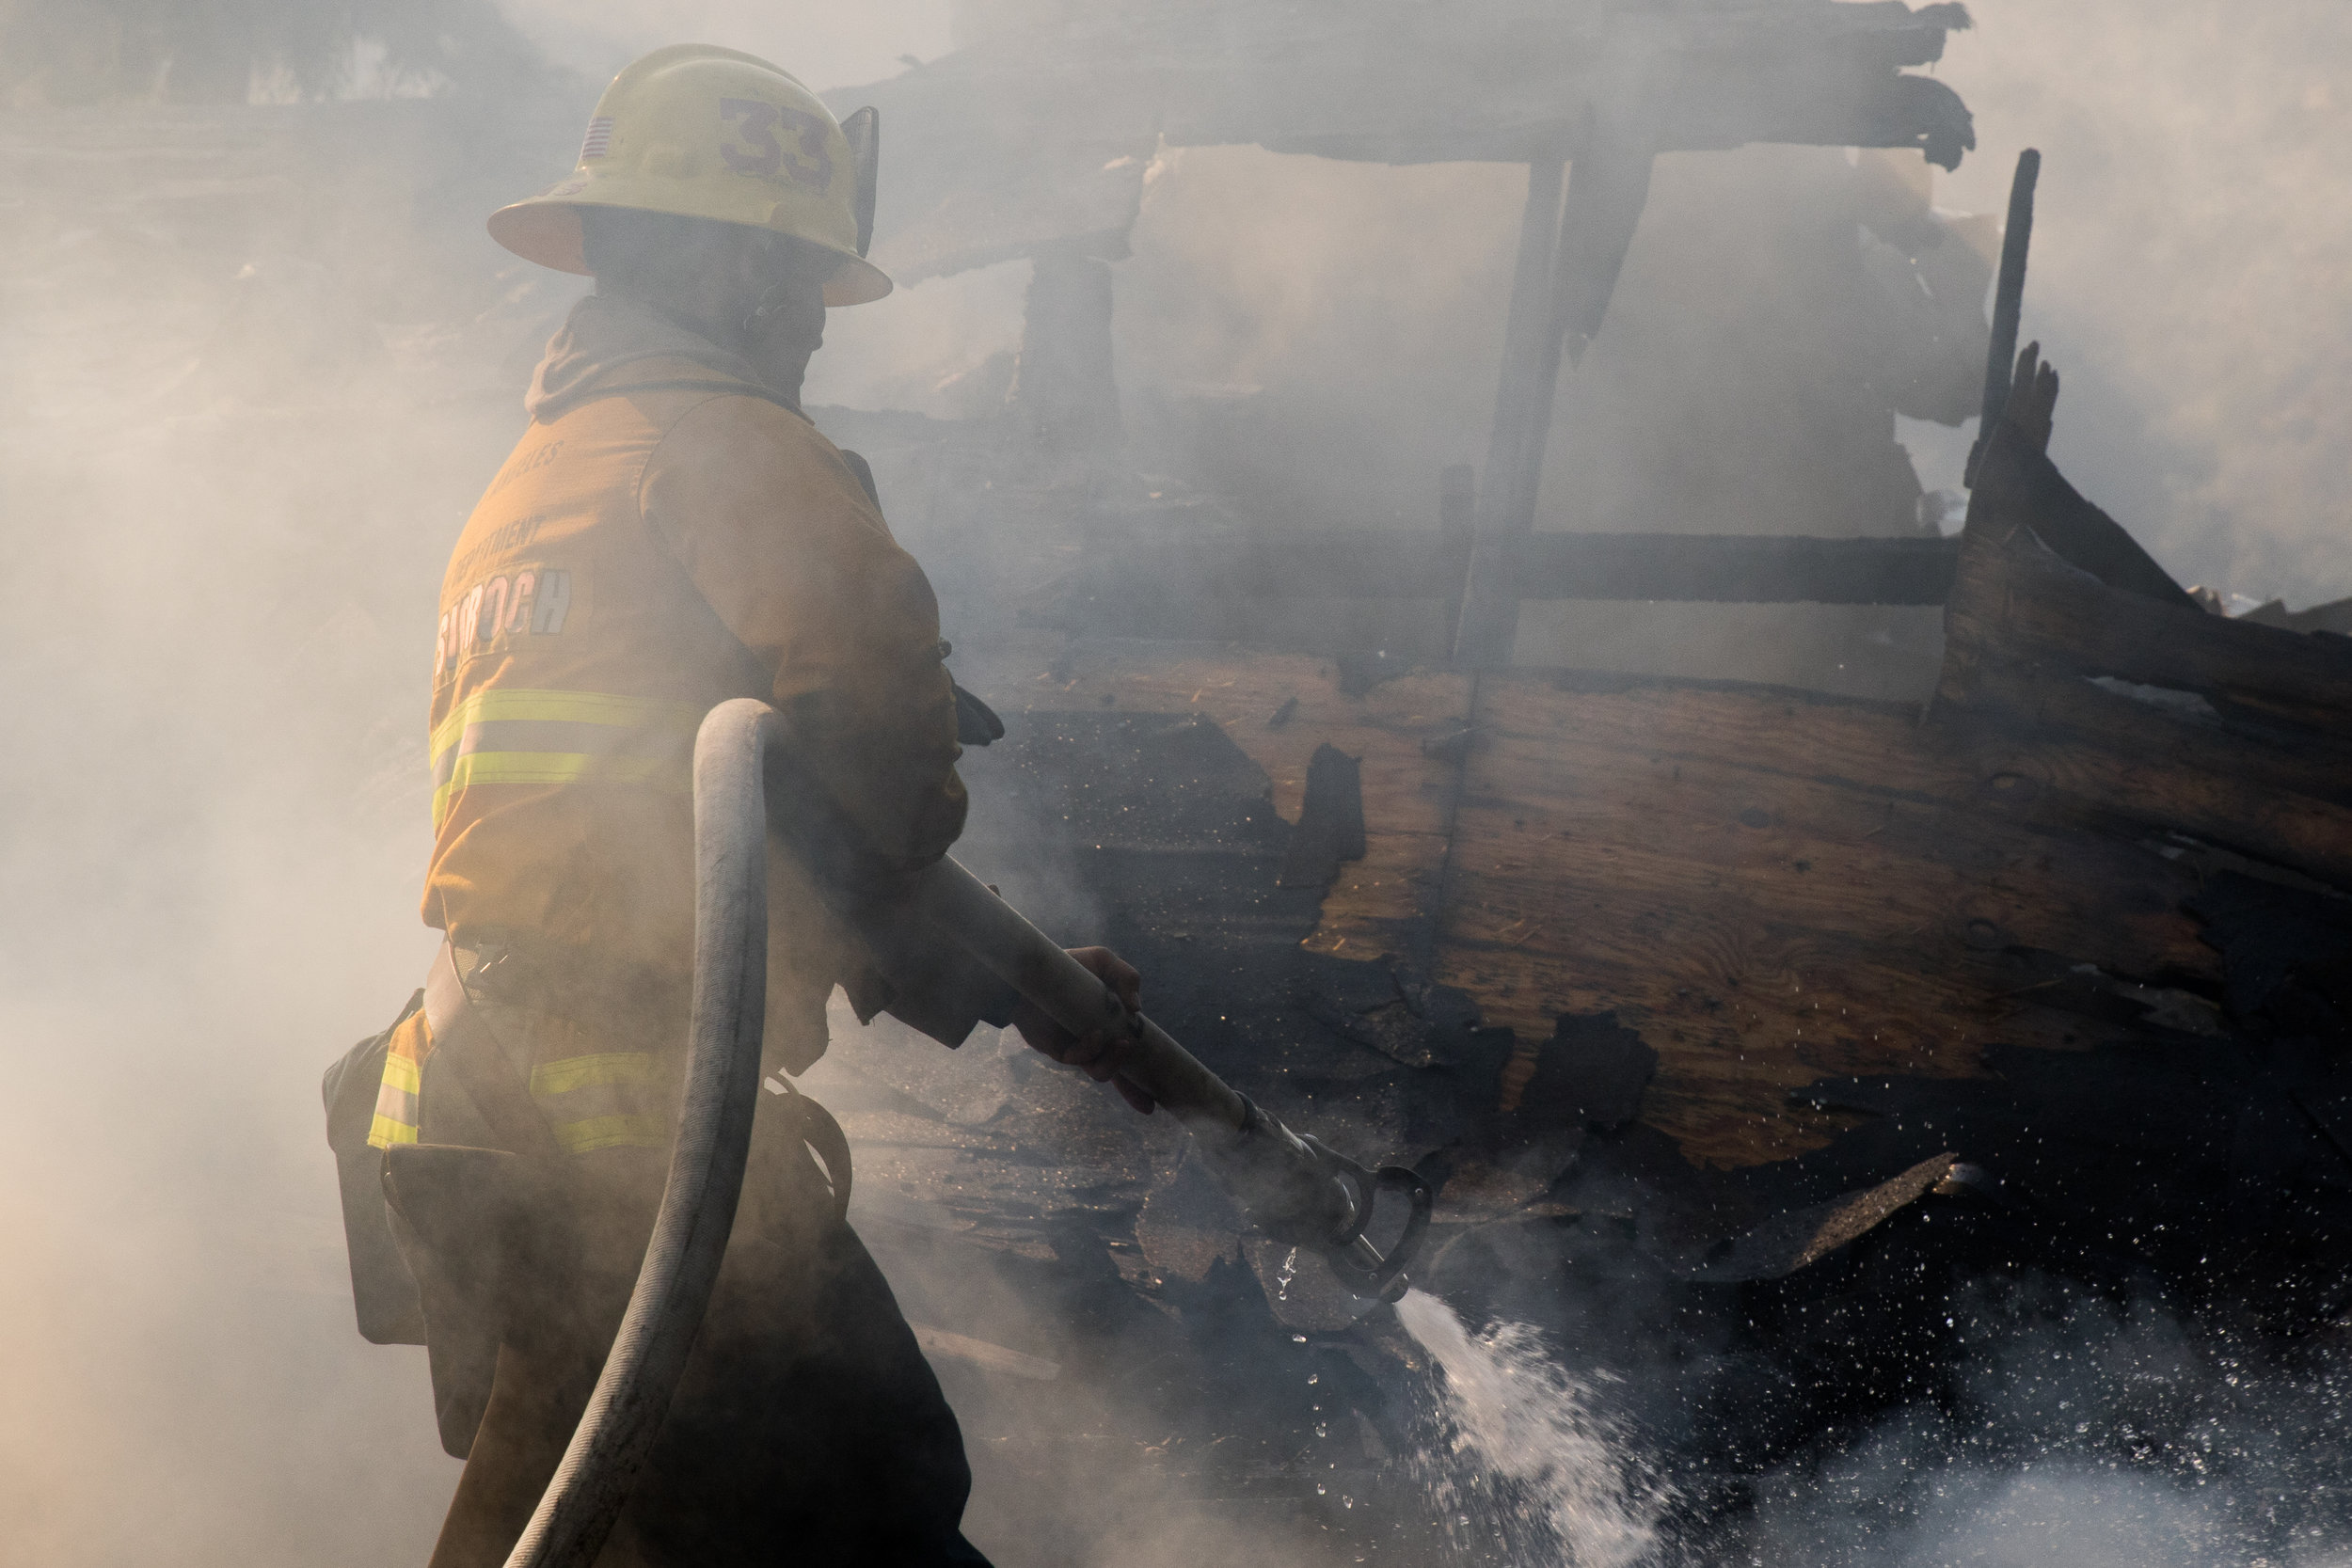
x=1026 y=958
x=1295 y=1188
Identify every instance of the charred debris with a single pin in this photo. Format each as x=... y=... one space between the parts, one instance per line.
x=1746 y=1027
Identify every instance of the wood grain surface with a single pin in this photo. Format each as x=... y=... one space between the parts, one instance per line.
x=1769 y=887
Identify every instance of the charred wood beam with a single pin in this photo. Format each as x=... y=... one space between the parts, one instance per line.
x=2018 y=487
x=1063 y=388
x=2100 y=706
x=1022 y=143
x=1530 y=368
x=2008 y=303
x=1718 y=568
x=1819 y=101
x=1509 y=78
x=1894 y=111
x=1365 y=564
x=1733 y=568
x=2014 y=604
x=1607 y=191
x=2015 y=487
x=1527 y=366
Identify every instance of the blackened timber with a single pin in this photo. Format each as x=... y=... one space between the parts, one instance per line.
x=1457 y=508
x=2017 y=605
x=2009 y=302
x=1008 y=148
x=1607 y=192
x=1369 y=564
x=1734 y=568
x=1530 y=366
x=1608 y=188
x=2018 y=486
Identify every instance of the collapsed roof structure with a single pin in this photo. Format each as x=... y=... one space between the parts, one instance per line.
x=1037 y=142
x=1036 y=138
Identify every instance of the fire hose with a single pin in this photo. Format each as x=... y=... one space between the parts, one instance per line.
x=1295 y=1188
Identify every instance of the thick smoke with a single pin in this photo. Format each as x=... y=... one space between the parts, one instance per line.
x=823 y=45
x=246 y=398
x=257 y=360
x=2187 y=267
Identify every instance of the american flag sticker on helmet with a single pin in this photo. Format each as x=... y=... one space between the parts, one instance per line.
x=600 y=139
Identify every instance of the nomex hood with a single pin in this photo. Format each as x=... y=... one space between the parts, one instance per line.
x=606 y=335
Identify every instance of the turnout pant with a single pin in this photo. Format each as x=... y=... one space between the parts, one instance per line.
x=808 y=1427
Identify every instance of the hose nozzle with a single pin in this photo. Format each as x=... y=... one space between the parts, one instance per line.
x=1301 y=1191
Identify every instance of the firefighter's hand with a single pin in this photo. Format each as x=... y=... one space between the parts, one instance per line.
x=1090 y=1052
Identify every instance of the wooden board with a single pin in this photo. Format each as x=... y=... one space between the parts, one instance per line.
x=1382 y=904
x=2230 y=733
x=2014 y=604
x=1769 y=887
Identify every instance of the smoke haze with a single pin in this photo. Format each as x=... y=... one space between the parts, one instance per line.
x=825 y=46
x=256 y=361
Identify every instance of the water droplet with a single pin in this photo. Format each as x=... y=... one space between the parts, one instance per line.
x=1314 y=1378
x=1318 y=1489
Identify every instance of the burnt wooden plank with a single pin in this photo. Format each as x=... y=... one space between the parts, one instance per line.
x=1768 y=887
x=1608 y=188
x=2014 y=604
x=2171 y=730
x=2215 y=728
x=1382 y=904
x=1734 y=568
x=2018 y=486
x=2165 y=774
x=1171 y=589
x=1732 y=782
x=1712 y=866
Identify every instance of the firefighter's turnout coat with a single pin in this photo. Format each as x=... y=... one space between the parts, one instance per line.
x=667 y=535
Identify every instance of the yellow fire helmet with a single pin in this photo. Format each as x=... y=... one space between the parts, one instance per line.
x=707 y=133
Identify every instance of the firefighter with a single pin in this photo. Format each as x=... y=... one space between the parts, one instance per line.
x=670 y=532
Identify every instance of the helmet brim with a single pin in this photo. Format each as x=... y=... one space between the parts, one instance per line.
x=548 y=231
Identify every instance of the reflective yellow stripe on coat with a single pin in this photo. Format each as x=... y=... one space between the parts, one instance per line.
x=397 y=1094
x=600 y=1101
x=591 y=1102
x=503 y=734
